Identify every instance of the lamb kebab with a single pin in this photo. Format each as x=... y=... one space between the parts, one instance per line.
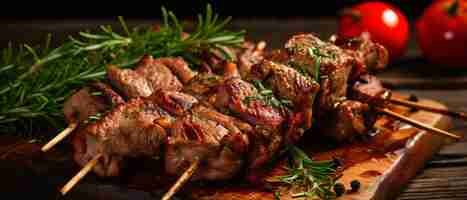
x=87 y=102
x=233 y=87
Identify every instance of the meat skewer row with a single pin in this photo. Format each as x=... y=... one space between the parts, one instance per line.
x=89 y=101
x=100 y=172
x=157 y=78
x=234 y=86
x=339 y=67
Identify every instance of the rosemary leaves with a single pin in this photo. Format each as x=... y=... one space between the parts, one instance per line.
x=36 y=81
x=313 y=178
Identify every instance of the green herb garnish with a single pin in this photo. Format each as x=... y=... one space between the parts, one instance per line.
x=267 y=96
x=314 y=178
x=37 y=80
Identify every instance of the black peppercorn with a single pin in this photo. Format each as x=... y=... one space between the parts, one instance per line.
x=355 y=185
x=413 y=98
x=337 y=162
x=339 y=189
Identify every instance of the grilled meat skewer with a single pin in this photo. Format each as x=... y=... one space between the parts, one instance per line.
x=89 y=101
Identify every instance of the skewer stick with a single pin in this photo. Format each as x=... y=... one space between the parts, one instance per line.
x=182 y=180
x=417 y=123
x=419 y=106
x=86 y=169
x=59 y=137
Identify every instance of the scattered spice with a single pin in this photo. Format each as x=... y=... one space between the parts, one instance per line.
x=339 y=189
x=355 y=185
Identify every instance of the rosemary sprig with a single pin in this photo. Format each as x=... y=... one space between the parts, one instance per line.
x=267 y=96
x=37 y=80
x=314 y=178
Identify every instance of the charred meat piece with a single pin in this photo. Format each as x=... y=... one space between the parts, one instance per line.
x=203 y=85
x=178 y=66
x=149 y=76
x=89 y=101
x=372 y=56
x=237 y=97
x=278 y=56
x=348 y=120
x=289 y=84
x=129 y=130
x=325 y=61
x=245 y=56
x=368 y=89
x=207 y=135
x=250 y=55
x=176 y=103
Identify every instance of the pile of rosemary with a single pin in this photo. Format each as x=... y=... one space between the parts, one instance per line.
x=37 y=80
x=314 y=179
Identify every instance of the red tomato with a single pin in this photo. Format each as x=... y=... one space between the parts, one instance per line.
x=442 y=32
x=385 y=23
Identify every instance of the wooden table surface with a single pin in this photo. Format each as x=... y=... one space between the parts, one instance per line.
x=445 y=176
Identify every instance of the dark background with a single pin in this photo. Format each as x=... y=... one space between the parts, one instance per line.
x=150 y=9
x=273 y=21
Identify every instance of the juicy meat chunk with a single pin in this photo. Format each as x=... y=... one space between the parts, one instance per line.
x=289 y=84
x=250 y=55
x=129 y=130
x=335 y=66
x=149 y=76
x=81 y=105
x=348 y=120
x=371 y=55
x=202 y=134
x=203 y=85
x=112 y=97
x=178 y=67
x=231 y=97
x=368 y=89
x=176 y=103
x=90 y=100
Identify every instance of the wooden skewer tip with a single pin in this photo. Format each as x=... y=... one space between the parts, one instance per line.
x=182 y=180
x=418 y=124
x=419 y=106
x=81 y=174
x=62 y=135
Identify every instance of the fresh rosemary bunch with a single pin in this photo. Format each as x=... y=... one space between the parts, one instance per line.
x=313 y=178
x=37 y=80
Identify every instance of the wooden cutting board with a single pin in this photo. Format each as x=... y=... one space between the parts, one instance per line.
x=383 y=164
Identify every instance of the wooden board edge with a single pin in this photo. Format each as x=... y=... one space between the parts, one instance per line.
x=417 y=152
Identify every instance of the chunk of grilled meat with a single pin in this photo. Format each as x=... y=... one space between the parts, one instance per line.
x=149 y=76
x=289 y=84
x=207 y=135
x=245 y=56
x=93 y=99
x=251 y=54
x=238 y=97
x=178 y=66
x=331 y=62
x=203 y=85
x=370 y=55
x=348 y=120
x=131 y=129
x=367 y=88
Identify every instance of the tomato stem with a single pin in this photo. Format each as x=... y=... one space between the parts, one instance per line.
x=452 y=9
